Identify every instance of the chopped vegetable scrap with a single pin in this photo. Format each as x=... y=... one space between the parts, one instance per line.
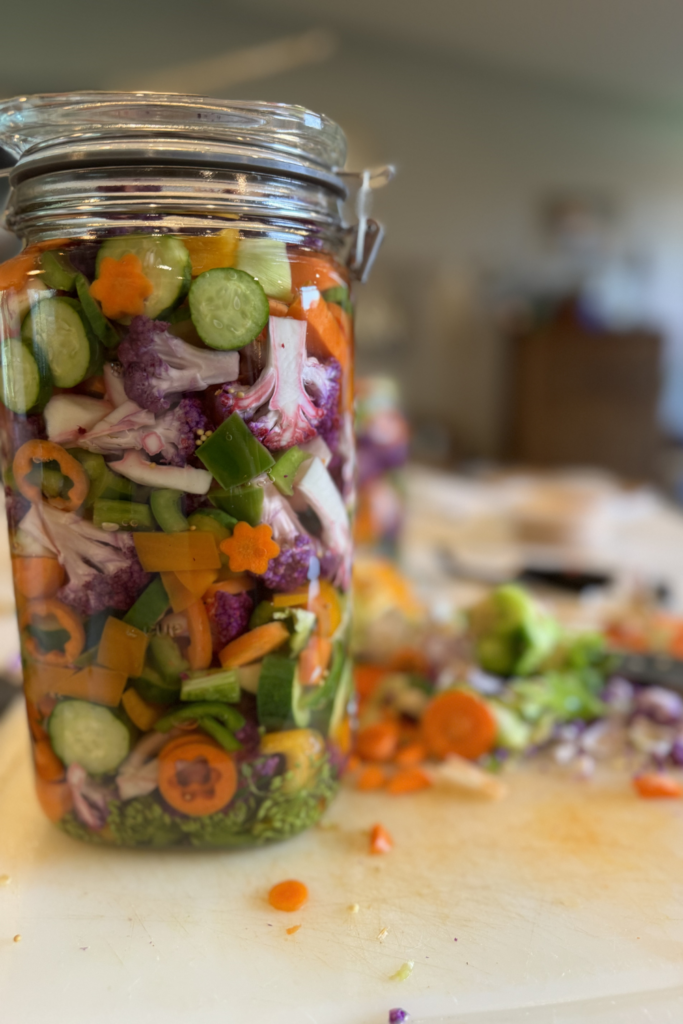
x=404 y=972
x=398 y=1016
x=293 y=929
x=175 y=465
x=251 y=548
x=288 y=896
x=657 y=785
x=380 y=840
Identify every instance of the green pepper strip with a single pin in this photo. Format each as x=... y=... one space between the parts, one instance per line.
x=152 y=603
x=201 y=709
x=285 y=469
x=128 y=515
x=233 y=455
x=220 y=733
x=167 y=508
x=244 y=503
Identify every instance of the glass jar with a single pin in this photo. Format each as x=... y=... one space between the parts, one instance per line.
x=178 y=460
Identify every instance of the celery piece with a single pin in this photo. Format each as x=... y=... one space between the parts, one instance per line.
x=211 y=685
x=233 y=455
x=126 y=515
x=152 y=603
x=243 y=503
x=166 y=658
x=168 y=512
x=283 y=472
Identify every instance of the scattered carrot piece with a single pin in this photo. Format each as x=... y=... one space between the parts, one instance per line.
x=121 y=287
x=288 y=896
x=353 y=763
x=378 y=742
x=410 y=755
x=408 y=780
x=372 y=777
x=657 y=785
x=367 y=678
x=293 y=929
x=380 y=840
x=250 y=548
x=457 y=722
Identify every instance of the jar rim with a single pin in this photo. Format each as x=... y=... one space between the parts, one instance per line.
x=52 y=131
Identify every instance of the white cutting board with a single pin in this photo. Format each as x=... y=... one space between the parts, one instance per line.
x=566 y=894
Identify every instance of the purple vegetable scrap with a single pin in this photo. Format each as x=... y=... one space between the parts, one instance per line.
x=397 y=1016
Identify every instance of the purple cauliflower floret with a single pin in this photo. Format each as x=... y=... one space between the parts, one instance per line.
x=280 y=408
x=177 y=433
x=16 y=507
x=229 y=616
x=102 y=568
x=290 y=568
x=324 y=384
x=158 y=366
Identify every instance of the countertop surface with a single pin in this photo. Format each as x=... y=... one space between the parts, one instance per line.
x=565 y=898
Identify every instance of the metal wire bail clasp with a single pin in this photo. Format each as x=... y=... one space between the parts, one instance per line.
x=367 y=233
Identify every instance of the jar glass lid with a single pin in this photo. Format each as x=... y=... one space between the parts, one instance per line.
x=56 y=131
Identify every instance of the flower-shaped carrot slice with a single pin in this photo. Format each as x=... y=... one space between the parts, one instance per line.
x=121 y=287
x=250 y=548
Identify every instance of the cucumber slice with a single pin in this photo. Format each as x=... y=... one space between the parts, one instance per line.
x=165 y=263
x=57 y=271
x=96 y=318
x=57 y=327
x=26 y=383
x=279 y=700
x=153 y=687
x=266 y=259
x=220 y=684
x=229 y=308
x=89 y=735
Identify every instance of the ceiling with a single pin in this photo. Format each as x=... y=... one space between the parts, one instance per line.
x=627 y=48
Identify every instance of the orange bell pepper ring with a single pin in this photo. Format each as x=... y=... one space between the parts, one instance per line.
x=33 y=452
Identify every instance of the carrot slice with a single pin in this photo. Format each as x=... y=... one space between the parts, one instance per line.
x=254 y=645
x=141 y=714
x=458 y=723
x=378 y=742
x=410 y=755
x=200 y=651
x=42 y=608
x=197 y=778
x=14 y=273
x=314 y=660
x=372 y=777
x=408 y=780
x=324 y=335
x=288 y=896
x=312 y=269
x=380 y=840
x=37 y=576
x=54 y=797
x=48 y=765
x=656 y=784
x=122 y=647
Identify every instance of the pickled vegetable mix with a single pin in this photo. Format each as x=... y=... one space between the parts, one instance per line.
x=178 y=468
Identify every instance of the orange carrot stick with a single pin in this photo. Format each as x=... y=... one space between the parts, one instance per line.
x=410 y=755
x=200 y=651
x=380 y=840
x=408 y=780
x=372 y=777
x=254 y=645
x=655 y=784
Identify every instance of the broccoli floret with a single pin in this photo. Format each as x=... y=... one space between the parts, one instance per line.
x=102 y=568
x=512 y=634
x=228 y=617
x=157 y=365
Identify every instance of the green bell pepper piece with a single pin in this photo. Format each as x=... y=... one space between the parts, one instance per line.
x=220 y=734
x=127 y=515
x=233 y=455
x=168 y=512
x=283 y=472
x=201 y=709
x=151 y=605
x=244 y=503
x=57 y=271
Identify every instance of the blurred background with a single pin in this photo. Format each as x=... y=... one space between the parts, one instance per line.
x=528 y=299
x=528 y=296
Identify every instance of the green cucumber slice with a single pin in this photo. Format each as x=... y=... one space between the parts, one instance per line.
x=153 y=687
x=266 y=259
x=26 y=382
x=219 y=684
x=165 y=263
x=279 y=699
x=57 y=271
x=89 y=735
x=57 y=327
x=229 y=308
